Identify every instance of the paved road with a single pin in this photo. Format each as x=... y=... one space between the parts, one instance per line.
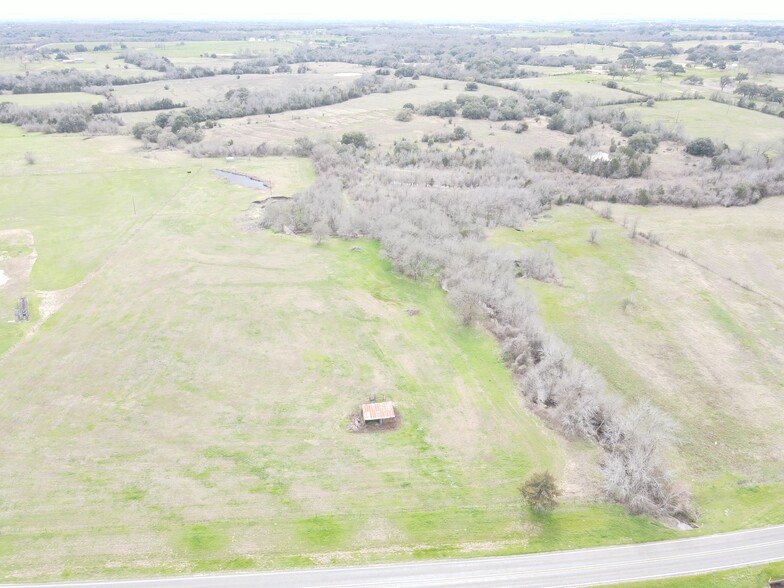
x=584 y=567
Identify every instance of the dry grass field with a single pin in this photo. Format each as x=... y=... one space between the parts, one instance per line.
x=375 y=114
x=197 y=91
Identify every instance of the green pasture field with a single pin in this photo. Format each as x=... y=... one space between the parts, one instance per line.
x=185 y=406
x=52 y=98
x=660 y=327
x=94 y=62
x=578 y=87
x=737 y=127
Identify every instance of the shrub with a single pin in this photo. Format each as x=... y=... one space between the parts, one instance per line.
x=405 y=115
x=643 y=142
x=543 y=154
x=475 y=110
x=702 y=147
x=355 y=138
x=442 y=109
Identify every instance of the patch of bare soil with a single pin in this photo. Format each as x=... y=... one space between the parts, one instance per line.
x=15 y=269
x=251 y=220
x=50 y=301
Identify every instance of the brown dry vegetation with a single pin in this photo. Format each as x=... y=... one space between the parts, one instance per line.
x=196 y=92
x=374 y=114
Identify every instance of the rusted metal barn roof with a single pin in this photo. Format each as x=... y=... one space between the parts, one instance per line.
x=378 y=410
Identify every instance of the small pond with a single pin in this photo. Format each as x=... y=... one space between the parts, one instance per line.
x=240 y=179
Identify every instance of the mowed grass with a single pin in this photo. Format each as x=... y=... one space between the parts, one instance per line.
x=704 y=350
x=78 y=98
x=737 y=127
x=186 y=408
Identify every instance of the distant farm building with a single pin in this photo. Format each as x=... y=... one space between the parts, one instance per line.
x=600 y=156
x=378 y=411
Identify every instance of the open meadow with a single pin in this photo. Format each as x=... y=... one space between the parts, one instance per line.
x=466 y=239
x=737 y=127
x=198 y=422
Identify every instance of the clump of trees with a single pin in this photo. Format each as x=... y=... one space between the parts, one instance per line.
x=538 y=264
x=766 y=60
x=61 y=118
x=456 y=134
x=717 y=56
x=64 y=80
x=169 y=130
x=625 y=162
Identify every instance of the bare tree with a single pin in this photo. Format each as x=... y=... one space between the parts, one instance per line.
x=633 y=228
x=319 y=232
x=538 y=264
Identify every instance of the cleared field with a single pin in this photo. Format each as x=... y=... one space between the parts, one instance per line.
x=546 y=70
x=195 y=92
x=375 y=114
x=190 y=49
x=578 y=87
x=739 y=243
x=601 y=52
x=192 y=391
x=100 y=63
x=538 y=34
x=738 y=127
x=82 y=98
x=707 y=351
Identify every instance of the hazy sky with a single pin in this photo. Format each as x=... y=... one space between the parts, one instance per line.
x=409 y=10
